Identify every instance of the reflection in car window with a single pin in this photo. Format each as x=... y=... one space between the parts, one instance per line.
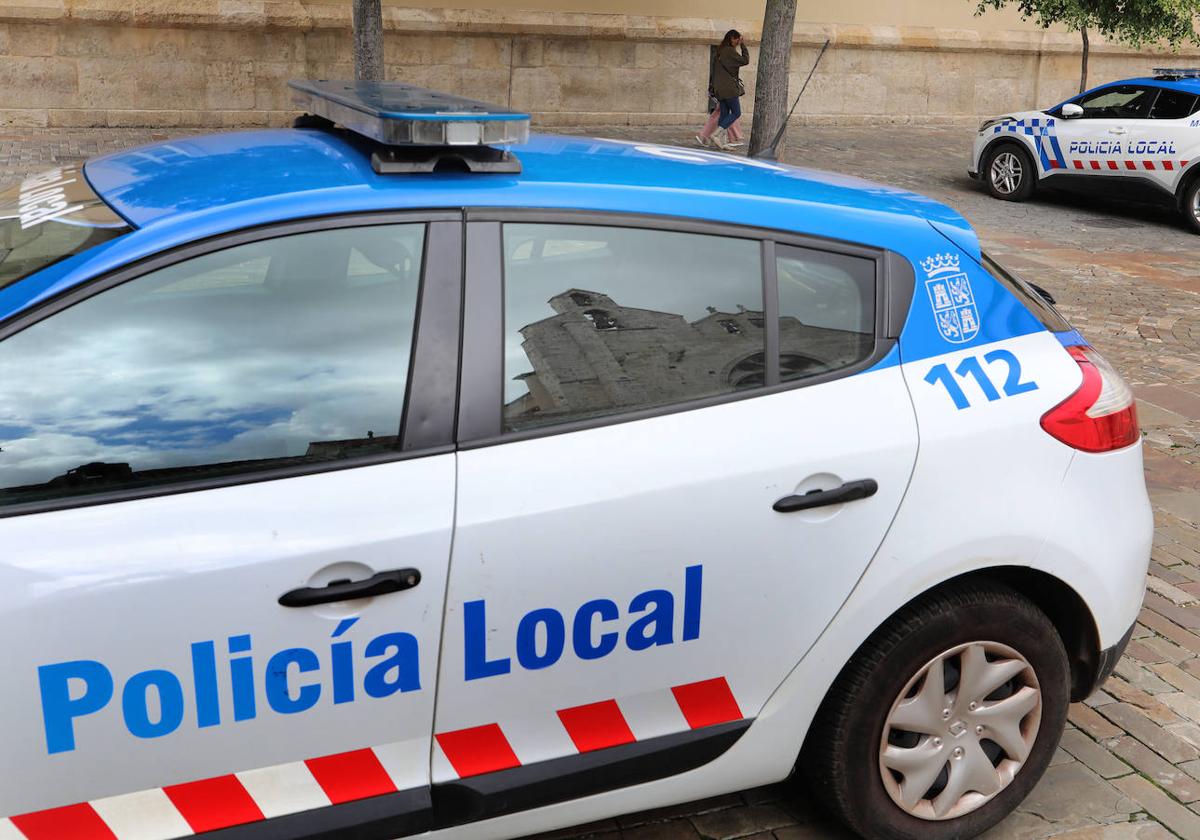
x=275 y=353
x=826 y=311
x=1122 y=102
x=603 y=319
x=1174 y=105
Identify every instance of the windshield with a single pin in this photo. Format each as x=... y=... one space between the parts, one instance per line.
x=49 y=217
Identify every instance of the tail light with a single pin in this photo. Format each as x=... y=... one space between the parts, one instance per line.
x=1101 y=415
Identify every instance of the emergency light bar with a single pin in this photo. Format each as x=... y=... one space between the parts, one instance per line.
x=420 y=128
x=1177 y=72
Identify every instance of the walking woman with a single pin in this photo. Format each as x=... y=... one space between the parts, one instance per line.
x=727 y=88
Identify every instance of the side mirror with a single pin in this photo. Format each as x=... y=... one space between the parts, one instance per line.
x=1071 y=111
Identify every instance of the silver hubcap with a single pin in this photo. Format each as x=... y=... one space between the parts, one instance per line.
x=1007 y=173
x=1196 y=205
x=960 y=731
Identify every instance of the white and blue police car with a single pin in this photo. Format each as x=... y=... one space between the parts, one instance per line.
x=403 y=474
x=1132 y=133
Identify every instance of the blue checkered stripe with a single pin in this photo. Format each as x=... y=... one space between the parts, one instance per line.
x=1043 y=129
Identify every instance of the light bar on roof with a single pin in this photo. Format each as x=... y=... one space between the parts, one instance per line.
x=1178 y=72
x=398 y=114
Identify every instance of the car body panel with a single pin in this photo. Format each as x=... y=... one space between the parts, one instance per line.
x=947 y=422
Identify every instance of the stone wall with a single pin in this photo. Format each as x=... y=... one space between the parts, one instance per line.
x=226 y=62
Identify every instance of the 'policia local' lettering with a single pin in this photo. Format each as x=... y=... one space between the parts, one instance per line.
x=1116 y=148
x=43 y=198
x=154 y=702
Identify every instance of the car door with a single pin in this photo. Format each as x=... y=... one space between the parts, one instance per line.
x=638 y=561
x=1108 y=139
x=227 y=508
x=1173 y=132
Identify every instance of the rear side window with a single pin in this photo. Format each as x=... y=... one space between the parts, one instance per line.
x=1042 y=309
x=600 y=320
x=826 y=311
x=1174 y=105
x=277 y=353
x=49 y=217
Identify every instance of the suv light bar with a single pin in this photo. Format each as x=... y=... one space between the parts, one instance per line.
x=398 y=114
x=1177 y=72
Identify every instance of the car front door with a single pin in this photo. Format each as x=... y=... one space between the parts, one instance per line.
x=226 y=510
x=1107 y=138
x=655 y=439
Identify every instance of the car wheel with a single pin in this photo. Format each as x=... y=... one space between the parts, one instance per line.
x=945 y=719
x=1191 y=204
x=1008 y=172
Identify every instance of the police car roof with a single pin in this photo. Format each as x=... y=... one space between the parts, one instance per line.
x=1187 y=85
x=216 y=182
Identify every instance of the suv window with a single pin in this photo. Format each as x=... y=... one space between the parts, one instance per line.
x=276 y=353
x=1118 y=102
x=826 y=311
x=600 y=320
x=1174 y=105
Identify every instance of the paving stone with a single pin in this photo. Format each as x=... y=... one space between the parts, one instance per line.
x=1094 y=755
x=1169 y=746
x=1170 y=778
x=1092 y=723
x=1174 y=816
x=741 y=821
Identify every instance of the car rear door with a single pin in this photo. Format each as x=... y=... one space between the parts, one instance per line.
x=228 y=487
x=681 y=446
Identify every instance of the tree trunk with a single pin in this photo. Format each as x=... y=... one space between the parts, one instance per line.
x=774 y=59
x=1083 y=73
x=368 y=40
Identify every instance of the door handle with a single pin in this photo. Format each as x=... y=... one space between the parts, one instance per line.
x=851 y=491
x=1117 y=131
x=383 y=583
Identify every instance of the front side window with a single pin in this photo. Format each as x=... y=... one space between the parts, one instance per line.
x=49 y=217
x=277 y=353
x=1120 y=102
x=601 y=320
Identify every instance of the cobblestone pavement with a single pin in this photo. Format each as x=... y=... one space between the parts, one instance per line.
x=1128 y=276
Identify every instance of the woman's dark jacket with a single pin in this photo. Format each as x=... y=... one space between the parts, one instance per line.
x=725 y=71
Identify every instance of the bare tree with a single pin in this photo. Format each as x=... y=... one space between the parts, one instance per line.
x=368 y=39
x=774 y=60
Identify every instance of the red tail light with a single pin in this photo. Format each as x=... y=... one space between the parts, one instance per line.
x=1101 y=415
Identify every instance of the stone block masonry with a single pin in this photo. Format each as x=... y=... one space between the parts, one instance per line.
x=212 y=63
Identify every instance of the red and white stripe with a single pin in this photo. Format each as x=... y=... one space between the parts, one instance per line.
x=220 y=802
x=490 y=747
x=252 y=795
x=1130 y=165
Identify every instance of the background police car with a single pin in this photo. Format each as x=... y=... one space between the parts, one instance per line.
x=539 y=603
x=1147 y=130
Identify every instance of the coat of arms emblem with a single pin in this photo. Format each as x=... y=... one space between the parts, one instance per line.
x=954 y=309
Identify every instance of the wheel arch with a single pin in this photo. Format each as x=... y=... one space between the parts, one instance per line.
x=1009 y=140
x=1189 y=177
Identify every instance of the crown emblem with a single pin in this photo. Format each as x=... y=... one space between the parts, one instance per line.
x=940 y=264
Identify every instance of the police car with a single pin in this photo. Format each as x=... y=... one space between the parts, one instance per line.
x=1136 y=132
x=404 y=474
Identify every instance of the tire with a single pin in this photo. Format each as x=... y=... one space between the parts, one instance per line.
x=843 y=762
x=1008 y=172
x=1191 y=204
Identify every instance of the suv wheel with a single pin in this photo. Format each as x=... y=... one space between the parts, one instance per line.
x=1191 y=204
x=1008 y=172
x=945 y=719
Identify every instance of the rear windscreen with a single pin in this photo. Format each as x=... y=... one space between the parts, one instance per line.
x=49 y=217
x=1025 y=292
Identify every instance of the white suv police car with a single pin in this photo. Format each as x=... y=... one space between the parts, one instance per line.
x=403 y=474
x=1136 y=132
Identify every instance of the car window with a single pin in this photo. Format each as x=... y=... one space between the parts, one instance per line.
x=1119 y=102
x=826 y=311
x=49 y=217
x=1174 y=105
x=600 y=320
x=281 y=352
